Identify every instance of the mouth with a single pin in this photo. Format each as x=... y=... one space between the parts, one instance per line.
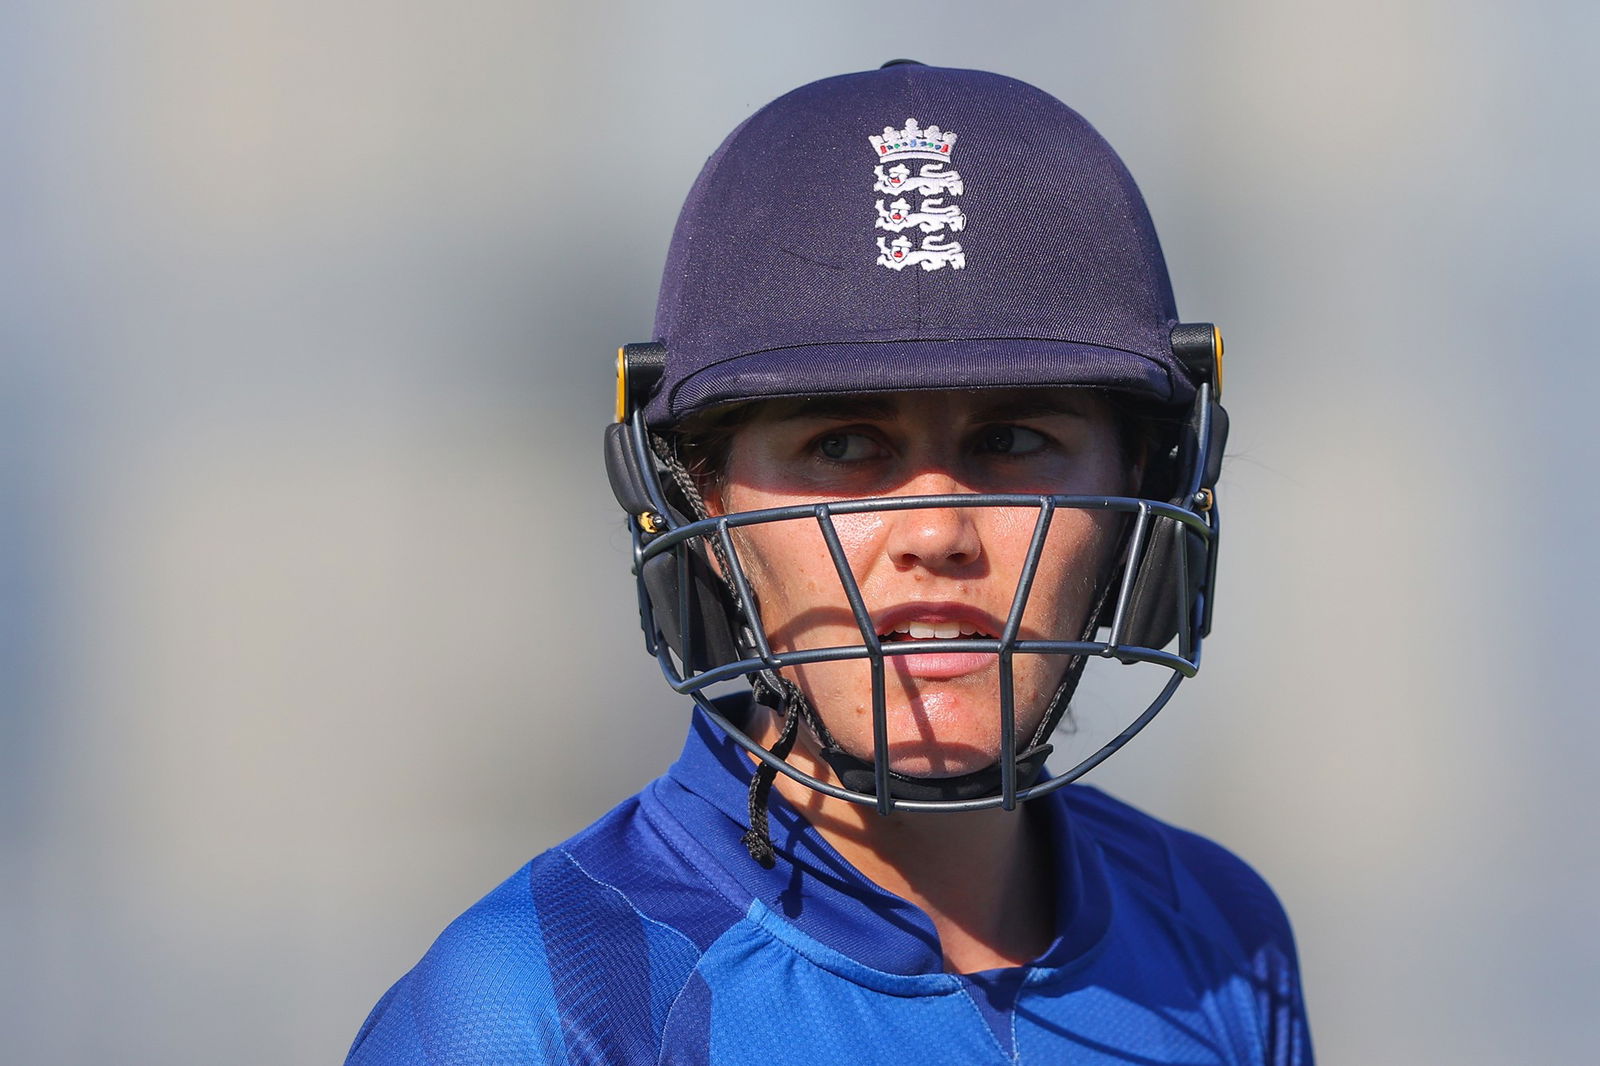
x=935 y=621
x=916 y=631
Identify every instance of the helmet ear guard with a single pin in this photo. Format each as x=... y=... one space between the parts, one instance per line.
x=640 y=368
x=1178 y=567
x=1156 y=603
x=690 y=606
x=682 y=598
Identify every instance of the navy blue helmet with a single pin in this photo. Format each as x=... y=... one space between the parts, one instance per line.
x=916 y=228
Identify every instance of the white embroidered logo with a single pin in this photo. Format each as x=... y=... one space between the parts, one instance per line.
x=930 y=215
x=933 y=183
x=931 y=179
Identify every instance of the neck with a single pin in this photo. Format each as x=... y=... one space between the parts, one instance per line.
x=983 y=877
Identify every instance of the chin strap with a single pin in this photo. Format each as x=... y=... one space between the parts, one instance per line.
x=758 y=839
x=858 y=776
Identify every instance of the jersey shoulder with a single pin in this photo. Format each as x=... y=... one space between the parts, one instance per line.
x=1193 y=876
x=1210 y=899
x=489 y=966
x=574 y=958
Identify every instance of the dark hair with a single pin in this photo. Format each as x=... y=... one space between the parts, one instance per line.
x=703 y=440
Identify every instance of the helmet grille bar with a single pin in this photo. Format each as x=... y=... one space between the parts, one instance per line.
x=688 y=681
x=1008 y=640
x=869 y=634
x=685 y=606
x=1136 y=549
x=647 y=462
x=1208 y=596
x=1008 y=732
x=873 y=504
x=847 y=577
x=1203 y=433
x=880 y=739
x=747 y=599
x=1030 y=567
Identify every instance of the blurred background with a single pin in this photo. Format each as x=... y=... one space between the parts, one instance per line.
x=315 y=620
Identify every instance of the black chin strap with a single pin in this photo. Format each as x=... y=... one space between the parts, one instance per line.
x=858 y=775
x=758 y=839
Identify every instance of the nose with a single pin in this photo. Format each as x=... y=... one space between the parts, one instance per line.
x=937 y=538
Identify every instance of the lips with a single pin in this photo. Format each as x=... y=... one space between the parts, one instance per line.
x=918 y=626
x=935 y=621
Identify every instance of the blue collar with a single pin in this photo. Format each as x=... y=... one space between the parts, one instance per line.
x=825 y=897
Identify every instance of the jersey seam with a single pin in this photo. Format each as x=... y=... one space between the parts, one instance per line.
x=1016 y=1048
x=643 y=917
x=574 y=860
x=1177 y=903
x=824 y=957
x=965 y=990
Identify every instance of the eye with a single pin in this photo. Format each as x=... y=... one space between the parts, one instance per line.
x=842 y=446
x=1011 y=440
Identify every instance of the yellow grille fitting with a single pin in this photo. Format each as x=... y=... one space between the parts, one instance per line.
x=622 y=386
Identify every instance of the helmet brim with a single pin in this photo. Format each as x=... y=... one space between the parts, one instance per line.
x=900 y=365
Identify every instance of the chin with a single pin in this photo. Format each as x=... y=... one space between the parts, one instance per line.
x=948 y=737
x=946 y=760
x=936 y=728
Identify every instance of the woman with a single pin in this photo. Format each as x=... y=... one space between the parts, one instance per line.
x=921 y=433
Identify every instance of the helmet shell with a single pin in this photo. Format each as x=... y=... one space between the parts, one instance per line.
x=913 y=227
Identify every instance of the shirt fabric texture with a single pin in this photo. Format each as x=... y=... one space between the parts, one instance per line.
x=652 y=937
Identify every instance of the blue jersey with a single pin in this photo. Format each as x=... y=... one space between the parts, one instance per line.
x=652 y=937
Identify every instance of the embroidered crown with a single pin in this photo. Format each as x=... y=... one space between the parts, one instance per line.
x=913 y=142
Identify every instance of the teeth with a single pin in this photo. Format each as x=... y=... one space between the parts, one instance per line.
x=936 y=630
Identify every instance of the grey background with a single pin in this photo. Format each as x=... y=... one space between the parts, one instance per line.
x=314 y=619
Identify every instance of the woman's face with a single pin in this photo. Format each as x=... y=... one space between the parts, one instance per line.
x=926 y=574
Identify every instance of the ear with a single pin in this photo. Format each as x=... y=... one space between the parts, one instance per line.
x=1137 y=465
x=713 y=495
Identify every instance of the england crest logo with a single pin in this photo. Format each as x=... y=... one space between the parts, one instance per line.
x=932 y=184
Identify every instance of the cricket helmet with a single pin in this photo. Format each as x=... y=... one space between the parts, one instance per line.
x=915 y=228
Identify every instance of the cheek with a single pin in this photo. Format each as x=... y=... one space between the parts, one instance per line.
x=861 y=536
x=798 y=593
x=791 y=569
x=1074 y=570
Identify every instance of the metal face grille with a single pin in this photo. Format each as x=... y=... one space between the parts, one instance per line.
x=1112 y=638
